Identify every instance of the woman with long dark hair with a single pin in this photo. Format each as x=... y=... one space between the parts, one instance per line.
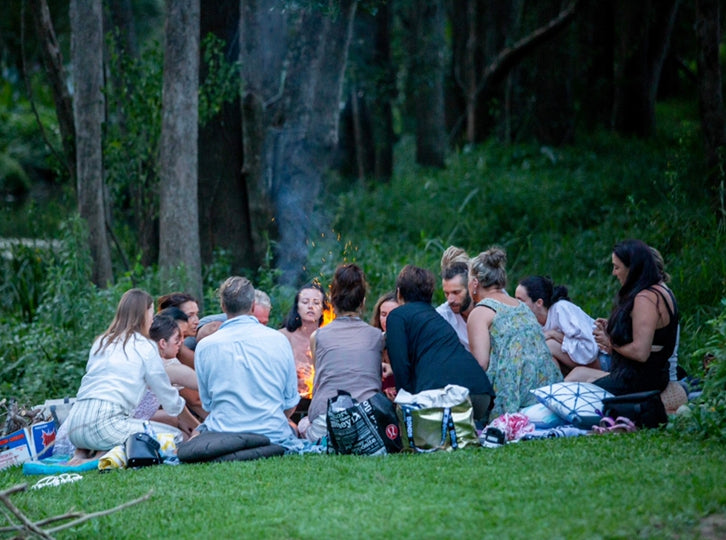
x=306 y=316
x=642 y=329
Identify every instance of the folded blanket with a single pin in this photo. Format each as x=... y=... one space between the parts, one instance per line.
x=57 y=465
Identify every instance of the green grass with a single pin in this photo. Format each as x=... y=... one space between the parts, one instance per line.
x=643 y=485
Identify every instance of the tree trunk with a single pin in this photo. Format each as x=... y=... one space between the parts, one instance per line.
x=642 y=41
x=223 y=206
x=293 y=64
x=87 y=60
x=178 y=214
x=427 y=57
x=263 y=46
x=710 y=96
x=596 y=29
x=53 y=62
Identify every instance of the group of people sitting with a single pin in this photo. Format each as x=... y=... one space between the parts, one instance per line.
x=231 y=373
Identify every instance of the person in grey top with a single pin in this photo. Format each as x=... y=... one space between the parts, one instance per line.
x=346 y=352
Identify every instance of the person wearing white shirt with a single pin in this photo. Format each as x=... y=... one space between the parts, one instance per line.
x=567 y=328
x=246 y=372
x=122 y=363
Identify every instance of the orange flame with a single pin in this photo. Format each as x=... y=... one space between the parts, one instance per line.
x=328 y=315
x=309 y=384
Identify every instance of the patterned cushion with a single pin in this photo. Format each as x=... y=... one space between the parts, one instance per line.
x=577 y=403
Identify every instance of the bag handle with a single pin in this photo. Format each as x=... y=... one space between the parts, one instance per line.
x=447 y=427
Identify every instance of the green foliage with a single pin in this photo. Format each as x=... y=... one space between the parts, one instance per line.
x=24 y=155
x=221 y=84
x=706 y=417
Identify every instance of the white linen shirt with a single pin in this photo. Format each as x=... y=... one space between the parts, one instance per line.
x=121 y=375
x=576 y=325
x=247 y=380
x=457 y=321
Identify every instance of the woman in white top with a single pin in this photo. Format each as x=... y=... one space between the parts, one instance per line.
x=567 y=328
x=122 y=362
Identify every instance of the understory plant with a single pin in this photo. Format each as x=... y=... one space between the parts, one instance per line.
x=706 y=416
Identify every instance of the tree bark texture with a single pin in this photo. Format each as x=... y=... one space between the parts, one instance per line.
x=427 y=56
x=88 y=107
x=179 y=215
x=710 y=95
x=291 y=123
x=641 y=45
x=596 y=30
x=53 y=62
x=223 y=205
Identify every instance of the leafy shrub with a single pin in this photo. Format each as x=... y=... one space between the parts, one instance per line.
x=706 y=416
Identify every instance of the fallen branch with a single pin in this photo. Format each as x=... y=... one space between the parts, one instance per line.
x=36 y=528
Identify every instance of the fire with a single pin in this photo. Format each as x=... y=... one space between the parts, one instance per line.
x=328 y=315
x=309 y=384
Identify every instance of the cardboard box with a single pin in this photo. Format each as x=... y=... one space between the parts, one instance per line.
x=35 y=442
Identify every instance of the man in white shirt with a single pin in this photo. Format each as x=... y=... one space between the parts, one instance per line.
x=455 y=283
x=246 y=372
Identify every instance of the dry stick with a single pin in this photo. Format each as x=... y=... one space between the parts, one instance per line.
x=86 y=517
x=27 y=524
x=35 y=527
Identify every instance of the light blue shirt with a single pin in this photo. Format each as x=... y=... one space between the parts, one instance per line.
x=247 y=380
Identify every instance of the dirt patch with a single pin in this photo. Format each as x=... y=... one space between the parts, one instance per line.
x=713 y=527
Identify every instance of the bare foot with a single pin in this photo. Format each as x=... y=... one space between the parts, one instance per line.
x=82 y=455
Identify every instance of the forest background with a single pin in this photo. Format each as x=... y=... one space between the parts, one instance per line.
x=170 y=144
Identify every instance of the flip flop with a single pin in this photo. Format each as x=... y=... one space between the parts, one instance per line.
x=625 y=425
x=606 y=425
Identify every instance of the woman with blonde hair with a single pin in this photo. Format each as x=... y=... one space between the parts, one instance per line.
x=505 y=337
x=122 y=362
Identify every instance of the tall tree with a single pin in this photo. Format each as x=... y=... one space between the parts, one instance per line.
x=426 y=23
x=178 y=208
x=88 y=114
x=710 y=94
x=641 y=44
x=293 y=62
x=223 y=204
x=53 y=62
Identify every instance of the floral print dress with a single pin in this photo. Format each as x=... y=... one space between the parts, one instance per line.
x=519 y=359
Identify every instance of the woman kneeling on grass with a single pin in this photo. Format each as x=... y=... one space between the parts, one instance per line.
x=122 y=362
x=642 y=329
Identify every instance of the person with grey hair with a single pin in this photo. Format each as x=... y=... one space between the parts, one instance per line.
x=246 y=372
x=263 y=306
x=505 y=337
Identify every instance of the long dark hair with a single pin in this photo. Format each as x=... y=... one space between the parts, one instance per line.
x=543 y=287
x=293 y=321
x=642 y=273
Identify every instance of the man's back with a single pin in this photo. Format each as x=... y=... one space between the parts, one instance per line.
x=247 y=379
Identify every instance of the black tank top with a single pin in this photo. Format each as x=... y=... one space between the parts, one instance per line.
x=653 y=373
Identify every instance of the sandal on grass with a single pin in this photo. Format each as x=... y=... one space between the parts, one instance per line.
x=624 y=425
x=605 y=426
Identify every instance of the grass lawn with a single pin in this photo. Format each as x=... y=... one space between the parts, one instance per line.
x=643 y=485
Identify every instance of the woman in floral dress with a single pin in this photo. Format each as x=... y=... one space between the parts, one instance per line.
x=505 y=337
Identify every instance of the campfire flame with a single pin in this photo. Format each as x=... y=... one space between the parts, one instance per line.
x=328 y=315
x=309 y=384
